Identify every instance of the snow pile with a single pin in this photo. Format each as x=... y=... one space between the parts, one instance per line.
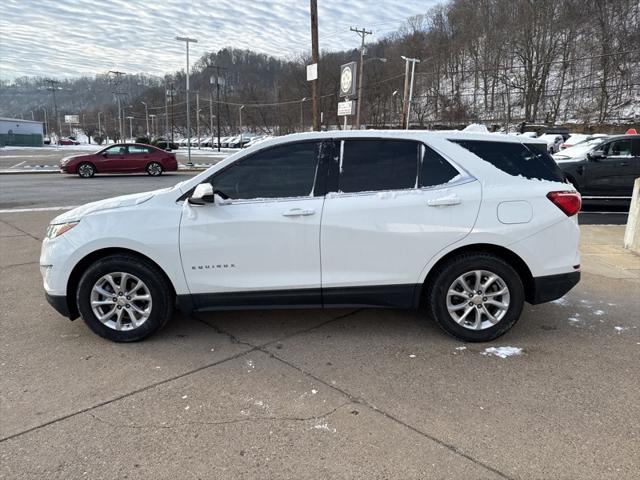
x=502 y=352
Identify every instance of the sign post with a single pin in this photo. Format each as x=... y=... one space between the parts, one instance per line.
x=71 y=120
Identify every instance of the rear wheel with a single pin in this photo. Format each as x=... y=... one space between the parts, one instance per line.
x=154 y=169
x=86 y=170
x=124 y=298
x=476 y=297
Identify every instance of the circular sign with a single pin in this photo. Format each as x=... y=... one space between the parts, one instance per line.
x=345 y=80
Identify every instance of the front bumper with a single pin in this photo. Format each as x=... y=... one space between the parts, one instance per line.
x=59 y=303
x=552 y=287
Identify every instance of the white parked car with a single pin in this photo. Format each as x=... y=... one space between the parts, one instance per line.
x=553 y=141
x=471 y=225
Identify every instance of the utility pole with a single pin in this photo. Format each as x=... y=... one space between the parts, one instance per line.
x=198 y=118
x=146 y=116
x=187 y=41
x=53 y=86
x=172 y=119
x=166 y=111
x=406 y=109
x=314 y=59
x=363 y=33
x=217 y=78
x=99 y=128
x=115 y=81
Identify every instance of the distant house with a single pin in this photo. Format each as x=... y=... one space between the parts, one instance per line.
x=23 y=133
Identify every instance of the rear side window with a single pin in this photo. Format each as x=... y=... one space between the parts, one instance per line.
x=516 y=159
x=373 y=165
x=434 y=169
x=285 y=171
x=139 y=149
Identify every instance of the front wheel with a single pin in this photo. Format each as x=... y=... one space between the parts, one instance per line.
x=86 y=170
x=476 y=297
x=154 y=169
x=124 y=298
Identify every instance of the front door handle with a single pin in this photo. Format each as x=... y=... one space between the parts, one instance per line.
x=298 y=212
x=624 y=164
x=444 y=201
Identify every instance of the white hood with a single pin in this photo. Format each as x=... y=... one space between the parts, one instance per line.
x=108 y=204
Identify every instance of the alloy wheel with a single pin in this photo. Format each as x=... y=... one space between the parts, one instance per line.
x=121 y=301
x=478 y=299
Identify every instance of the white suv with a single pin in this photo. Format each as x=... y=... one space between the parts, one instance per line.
x=470 y=225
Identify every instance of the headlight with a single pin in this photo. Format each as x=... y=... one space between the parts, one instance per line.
x=65 y=160
x=54 y=231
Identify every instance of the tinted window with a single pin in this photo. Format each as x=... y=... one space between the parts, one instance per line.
x=516 y=159
x=371 y=165
x=619 y=148
x=435 y=170
x=286 y=171
x=138 y=149
x=636 y=147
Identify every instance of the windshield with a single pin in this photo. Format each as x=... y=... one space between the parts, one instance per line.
x=581 y=147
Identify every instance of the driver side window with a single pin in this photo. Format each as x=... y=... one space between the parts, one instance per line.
x=619 y=148
x=279 y=172
x=116 y=150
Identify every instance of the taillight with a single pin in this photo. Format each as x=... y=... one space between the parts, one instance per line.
x=568 y=202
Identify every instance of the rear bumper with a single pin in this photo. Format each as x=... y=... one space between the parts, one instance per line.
x=552 y=287
x=59 y=303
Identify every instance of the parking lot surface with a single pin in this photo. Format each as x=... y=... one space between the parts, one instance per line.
x=323 y=394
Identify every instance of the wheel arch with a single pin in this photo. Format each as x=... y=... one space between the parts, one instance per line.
x=83 y=264
x=509 y=256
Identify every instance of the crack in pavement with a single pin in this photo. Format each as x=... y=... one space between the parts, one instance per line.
x=221 y=422
x=20 y=230
x=125 y=395
x=350 y=397
x=359 y=400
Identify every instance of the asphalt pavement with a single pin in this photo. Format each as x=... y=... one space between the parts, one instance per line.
x=307 y=394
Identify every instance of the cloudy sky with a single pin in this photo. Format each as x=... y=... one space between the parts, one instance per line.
x=66 y=38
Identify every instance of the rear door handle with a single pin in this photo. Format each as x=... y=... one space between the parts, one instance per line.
x=298 y=212
x=624 y=164
x=444 y=201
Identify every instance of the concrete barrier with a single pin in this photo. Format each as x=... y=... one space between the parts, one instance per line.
x=632 y=232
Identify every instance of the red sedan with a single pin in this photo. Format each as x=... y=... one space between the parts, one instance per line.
x=121 y=158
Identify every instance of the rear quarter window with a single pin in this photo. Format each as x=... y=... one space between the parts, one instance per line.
x=530 y=161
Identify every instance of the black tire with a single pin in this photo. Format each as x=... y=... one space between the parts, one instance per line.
x=448 y=272
x=86 y=170
x=154 y=169
x=160 y=289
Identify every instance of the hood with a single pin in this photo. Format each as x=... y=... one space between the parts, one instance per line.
x=68 y=158
x=108 y=204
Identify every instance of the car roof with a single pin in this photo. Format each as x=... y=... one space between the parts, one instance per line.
x=407 y=135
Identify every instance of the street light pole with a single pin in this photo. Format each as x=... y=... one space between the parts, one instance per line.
x=153 y=125
x=187 y=41
x=130 y=127
x=240 y=112
x=99 y=128
x=46 y=124
x=146 y=116
x=302 y=114
x=198 y=118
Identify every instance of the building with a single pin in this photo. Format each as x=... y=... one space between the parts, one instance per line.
x=23 y=133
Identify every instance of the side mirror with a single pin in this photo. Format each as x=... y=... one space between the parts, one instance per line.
x=596 y=155
x=202 y=194
x=104 y=154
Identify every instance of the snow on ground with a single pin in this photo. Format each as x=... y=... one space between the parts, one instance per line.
x=502 y=352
